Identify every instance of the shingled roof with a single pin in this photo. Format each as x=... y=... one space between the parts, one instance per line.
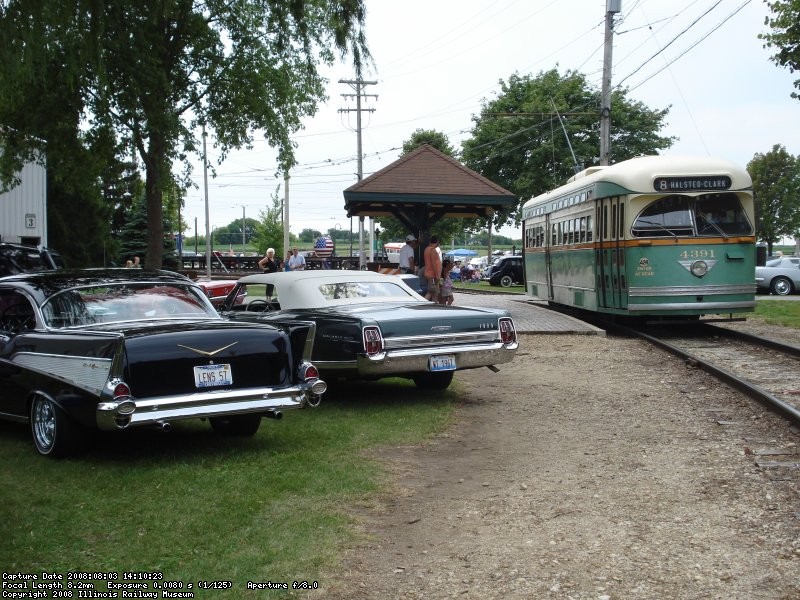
x=424 y=186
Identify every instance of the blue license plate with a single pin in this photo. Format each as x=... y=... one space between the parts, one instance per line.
x=444 y=362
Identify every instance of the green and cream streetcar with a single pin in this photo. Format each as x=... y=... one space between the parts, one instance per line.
x=652 y=236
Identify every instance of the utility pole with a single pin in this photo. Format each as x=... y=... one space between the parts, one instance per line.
x=612 y=8
x=285 y=213
x=205 y=186
x=358 y=86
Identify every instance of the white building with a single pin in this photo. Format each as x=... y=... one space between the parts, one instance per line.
x=23 y=209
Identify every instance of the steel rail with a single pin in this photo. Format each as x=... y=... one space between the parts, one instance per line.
x=776 y=404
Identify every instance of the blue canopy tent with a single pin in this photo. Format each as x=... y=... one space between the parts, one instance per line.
x=460 y=252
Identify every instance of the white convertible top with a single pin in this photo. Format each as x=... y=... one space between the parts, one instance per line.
x=308 y=289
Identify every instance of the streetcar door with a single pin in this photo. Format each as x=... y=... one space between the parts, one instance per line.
x=610 y=255
x=548 y=258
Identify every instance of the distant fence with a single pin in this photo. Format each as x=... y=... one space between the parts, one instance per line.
x=221 y=263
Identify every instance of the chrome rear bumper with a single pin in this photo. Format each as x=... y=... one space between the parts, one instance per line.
x=414 y=360
x=150 y=411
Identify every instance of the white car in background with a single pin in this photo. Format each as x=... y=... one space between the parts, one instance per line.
x=779 y=276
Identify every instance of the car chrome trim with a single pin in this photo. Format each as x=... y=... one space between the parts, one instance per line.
x=205 y=353
x=150 y=411
x=324 y=365
x=412 y=360
x=86 y=372
x=13 y=417
x=472 y=337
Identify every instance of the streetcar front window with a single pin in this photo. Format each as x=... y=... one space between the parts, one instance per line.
x=706 y=215
x=669 y=216
x=720 y=214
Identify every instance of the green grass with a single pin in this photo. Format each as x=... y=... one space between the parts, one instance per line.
x=198 y=506
x=779 y=312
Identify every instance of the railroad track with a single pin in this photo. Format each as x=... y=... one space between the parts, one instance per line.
x=766 y=370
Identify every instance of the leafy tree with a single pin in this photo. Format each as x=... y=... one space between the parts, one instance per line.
x=232 y=232
x=133 y=235
x=518 y=143
x=434 y=138
x=308 y=236
x=132 y=239
x=776 y=185
x=446 y=229
x=785 y=36
x=153 y=71
x=269 y=230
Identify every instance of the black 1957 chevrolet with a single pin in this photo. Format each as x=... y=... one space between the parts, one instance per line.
x=110 y=349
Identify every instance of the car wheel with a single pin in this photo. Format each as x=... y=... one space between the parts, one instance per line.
x=53 y=433
x=506 y=280
x=237 y=425
x=781 y=286
x=433 y=381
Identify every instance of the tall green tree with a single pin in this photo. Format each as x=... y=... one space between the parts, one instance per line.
x=785 y=36
x=433 y=138
x=776 y=185
x=269 y=230
x=445 y=229
x=155 y=71
x=519 y=143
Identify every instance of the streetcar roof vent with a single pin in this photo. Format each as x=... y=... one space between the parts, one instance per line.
x=585 y=173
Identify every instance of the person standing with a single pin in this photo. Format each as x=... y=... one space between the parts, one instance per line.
x=268 y=264
x=446 y=293
x=286 y=261
x=297 y=262
x=406 y=260
x=433 y=269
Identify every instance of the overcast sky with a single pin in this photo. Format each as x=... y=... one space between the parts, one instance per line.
x=435 y=60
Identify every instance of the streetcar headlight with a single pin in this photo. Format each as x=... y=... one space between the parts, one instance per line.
x=699 y=268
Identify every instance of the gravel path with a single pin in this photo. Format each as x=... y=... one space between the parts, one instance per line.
x=589 y=468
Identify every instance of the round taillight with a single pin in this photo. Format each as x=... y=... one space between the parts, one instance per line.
x=310 y=372
x=121 y=390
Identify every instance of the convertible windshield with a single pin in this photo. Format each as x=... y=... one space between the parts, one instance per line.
x=705 y=215
x=124 y=302
x=362 y=289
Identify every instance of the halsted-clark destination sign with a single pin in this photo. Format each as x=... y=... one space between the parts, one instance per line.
x=692 y=182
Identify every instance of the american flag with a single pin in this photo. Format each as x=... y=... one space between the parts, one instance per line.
x=323 y=247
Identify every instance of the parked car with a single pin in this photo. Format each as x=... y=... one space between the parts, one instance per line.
x=18 y=258
x=370 y=325
x=217 y=289
x=779 y=276
x=118 y=348
x=505 y=271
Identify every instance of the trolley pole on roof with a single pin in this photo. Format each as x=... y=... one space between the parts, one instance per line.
x=612 y=7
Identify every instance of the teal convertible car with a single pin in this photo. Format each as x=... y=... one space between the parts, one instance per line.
x=370 y=326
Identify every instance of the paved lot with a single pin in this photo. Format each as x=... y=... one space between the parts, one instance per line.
x=530 y=314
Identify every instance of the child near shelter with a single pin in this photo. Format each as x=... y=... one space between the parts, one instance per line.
x=446 y=292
